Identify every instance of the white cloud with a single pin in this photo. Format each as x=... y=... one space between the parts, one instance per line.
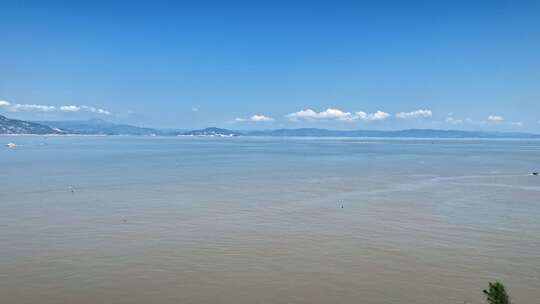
x=254 y=118
x=31 y=108
x=331 y=114
x=421 y=113
x=465 y=121
x=74 y=109
x=492 y=119
x=94 y=110
x=45 y=109
x=261 y=118
x=517 y=124
x=379 y=115
x=454 y=121
x=495 y=119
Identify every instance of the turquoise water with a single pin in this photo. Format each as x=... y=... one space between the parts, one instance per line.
x=267 y=220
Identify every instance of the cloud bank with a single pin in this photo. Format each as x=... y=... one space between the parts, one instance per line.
x=379 y=115
x=254 y=118
x=492 y=119
x=331 y=114
x=48 y=109
x=495 y=118
x=421 y=113
x=454 y=121
x=517 y=124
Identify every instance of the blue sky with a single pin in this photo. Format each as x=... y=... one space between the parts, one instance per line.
x=248 y=64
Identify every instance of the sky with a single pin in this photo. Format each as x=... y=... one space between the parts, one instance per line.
x=471 y=65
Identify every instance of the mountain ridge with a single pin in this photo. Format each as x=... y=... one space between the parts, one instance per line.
x=16 y=127
x=98 y=126
x=212 y=131
x=406 y=133
x=102 y=127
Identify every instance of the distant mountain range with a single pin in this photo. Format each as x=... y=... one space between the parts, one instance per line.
x=212 y=132
x=98 y=127
x=13 y=126
x=411 y=133
x=102 y=127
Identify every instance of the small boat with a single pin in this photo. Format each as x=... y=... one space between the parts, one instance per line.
x=11 y=145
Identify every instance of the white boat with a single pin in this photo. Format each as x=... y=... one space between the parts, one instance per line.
x=11 y=145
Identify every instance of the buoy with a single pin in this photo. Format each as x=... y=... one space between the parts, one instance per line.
x=535 y=173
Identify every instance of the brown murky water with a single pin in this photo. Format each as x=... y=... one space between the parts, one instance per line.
x=140 y=220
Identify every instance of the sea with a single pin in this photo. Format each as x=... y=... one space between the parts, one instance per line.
x=126 y=219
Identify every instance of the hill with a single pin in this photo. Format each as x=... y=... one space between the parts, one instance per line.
x=14 y=126
x=98 y=127
x=212 y=132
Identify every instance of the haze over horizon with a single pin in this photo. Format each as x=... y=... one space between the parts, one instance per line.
x=241 y=65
